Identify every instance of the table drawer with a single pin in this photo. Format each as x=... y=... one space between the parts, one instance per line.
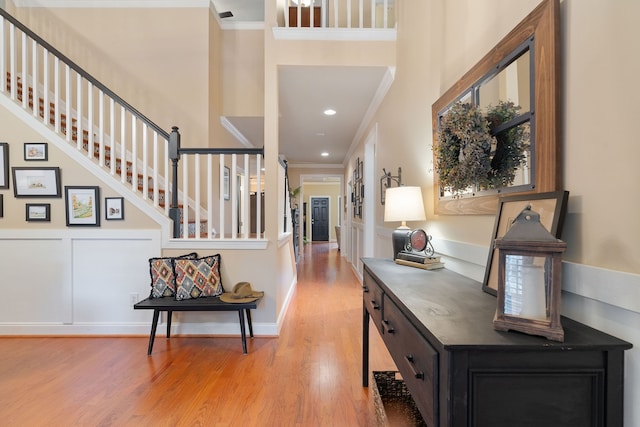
x=415 y=358
x=372 y=297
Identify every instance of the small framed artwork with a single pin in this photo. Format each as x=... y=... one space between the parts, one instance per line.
x=4 y=165
x=226 y=183
x=36 y=182
x=38 y=212
x=552 y=208
x=1 y=205
x=82 y=206
x=37 y=151
x=114 y=208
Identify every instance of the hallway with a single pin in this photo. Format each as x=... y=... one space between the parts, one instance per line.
x=309 y=376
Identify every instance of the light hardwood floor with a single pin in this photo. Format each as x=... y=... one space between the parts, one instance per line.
x=308 y=376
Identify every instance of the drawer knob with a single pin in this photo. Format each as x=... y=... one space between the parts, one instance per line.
x=387 y=328
x=416 y=374
x=375 y=305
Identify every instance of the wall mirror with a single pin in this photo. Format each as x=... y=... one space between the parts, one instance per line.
x=523 y=71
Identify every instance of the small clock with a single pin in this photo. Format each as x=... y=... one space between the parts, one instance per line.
x=416 y=241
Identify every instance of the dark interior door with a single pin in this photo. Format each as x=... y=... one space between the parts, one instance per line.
x=320 y=219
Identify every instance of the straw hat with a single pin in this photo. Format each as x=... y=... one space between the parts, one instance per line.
x=242 y=292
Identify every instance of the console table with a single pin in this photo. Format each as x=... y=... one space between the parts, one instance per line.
x=438 y=327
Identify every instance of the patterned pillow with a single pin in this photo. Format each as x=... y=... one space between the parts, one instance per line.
x=196 y=278
x=163 y=282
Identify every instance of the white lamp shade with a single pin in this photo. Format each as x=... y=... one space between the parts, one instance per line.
x=403 y=204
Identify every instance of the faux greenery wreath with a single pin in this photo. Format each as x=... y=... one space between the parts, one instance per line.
x=464 y=145
x=464 y=155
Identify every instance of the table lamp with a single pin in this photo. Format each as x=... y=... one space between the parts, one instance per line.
x=402 y=204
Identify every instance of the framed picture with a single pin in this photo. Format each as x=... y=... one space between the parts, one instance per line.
x=4 y=165
x=82 y=206
x=38 y=212
x=114 y=208
x=36 y=151
x=226 y=183
x=552 y=209
x=36 y=182
x=1 y=205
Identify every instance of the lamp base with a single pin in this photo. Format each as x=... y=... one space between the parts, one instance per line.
x=399 y=239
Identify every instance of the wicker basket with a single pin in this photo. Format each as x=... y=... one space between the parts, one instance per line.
x=393 y=404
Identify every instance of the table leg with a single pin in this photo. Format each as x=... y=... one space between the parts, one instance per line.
x=242 y=332
x=169 y=315
x=365 y=346
x=249 y=322
x=154 y=325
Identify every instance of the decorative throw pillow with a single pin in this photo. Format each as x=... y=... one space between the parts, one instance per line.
x=196 y=278
x=163 y=282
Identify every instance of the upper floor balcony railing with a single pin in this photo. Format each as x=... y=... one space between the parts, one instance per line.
x=350 y=14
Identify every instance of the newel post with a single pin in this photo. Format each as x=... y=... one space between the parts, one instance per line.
x=174 y=155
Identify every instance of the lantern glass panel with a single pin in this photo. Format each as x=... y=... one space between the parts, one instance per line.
x=527 y=286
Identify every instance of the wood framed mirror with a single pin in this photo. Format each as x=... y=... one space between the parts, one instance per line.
x=532 y=45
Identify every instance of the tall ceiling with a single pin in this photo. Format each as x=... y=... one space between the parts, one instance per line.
x=305 y=92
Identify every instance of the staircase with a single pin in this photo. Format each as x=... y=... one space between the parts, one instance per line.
x=112 y=133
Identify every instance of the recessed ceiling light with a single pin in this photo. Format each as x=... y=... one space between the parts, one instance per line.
x=329 y=112
x=324 y=154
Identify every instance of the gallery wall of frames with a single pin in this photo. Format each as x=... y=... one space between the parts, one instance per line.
x=40 y=181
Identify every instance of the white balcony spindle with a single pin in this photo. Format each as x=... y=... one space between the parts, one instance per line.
x=360 y=14
x=25 y=73
x=68 y=119
x=89 y=119
x=12 y=60
x=156 y=189
x=234 y=197
x=259 y=197
x=3 y=62
x=196 y=202
x=221 y=227
x=34 y=78
x=79 y=131
x=144 y=172
x=134 y=151
x=56 y=93
x=112 y=133
x=166 y=177
x=45 y=86
x=101 y=128
x=185 y=191
x=123 y=147
x=245 y=195
x=209 y=196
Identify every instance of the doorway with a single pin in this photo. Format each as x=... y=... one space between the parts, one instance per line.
x=319 y=219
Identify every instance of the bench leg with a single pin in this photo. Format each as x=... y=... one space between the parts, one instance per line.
x=242 y=332
x=169 y=313
x=249 y=322
x=154 y=325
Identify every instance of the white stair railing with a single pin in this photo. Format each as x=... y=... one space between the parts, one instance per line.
x=362 y=14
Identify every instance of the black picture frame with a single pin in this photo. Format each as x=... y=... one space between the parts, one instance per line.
x=82 y=206
x=114 y=208
x=1 y=206
x=36 y=151
x=551 y=206
x=35 y=212
x=4 y=166
x=36 y=181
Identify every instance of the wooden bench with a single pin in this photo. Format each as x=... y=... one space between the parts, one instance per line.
x=197 y=304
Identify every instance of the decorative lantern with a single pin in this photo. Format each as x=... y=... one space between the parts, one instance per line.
x=529 y=279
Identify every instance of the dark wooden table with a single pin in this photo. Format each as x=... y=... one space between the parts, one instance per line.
x=438 y=327
x=196 y=304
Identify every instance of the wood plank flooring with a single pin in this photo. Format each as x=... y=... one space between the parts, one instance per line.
x=308 y=376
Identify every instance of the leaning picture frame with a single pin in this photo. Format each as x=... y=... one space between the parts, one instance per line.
x=82 y=205
x=552 y=208
x=114 y=208
x=38 y=212
x=36 y=182
x=4 y=165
